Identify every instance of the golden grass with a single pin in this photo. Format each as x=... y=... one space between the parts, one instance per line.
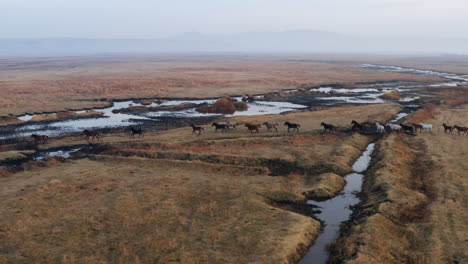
x=54 y=85
x=414 y=209
x=393 y=95
x=208 y=200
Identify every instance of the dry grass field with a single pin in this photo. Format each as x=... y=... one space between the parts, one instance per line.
x=56 y=84
x=173 y=197
x=415 y=201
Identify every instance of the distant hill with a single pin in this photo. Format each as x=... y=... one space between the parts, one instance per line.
x=254 y=42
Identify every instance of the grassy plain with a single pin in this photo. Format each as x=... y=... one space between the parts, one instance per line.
x=57 y=84
x=173 y=197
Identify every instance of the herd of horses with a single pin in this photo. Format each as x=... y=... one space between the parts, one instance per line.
x=252 y=128
x=291 y=127
x=412 y=128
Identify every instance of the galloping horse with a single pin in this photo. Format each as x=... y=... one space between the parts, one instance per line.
x=271 y=126
x=40 y=138
x=426 y=127
x=393 y=127
x=91 y=134
x=417 y=126
x=295 y=127
x=356 y=126
x=328 y=127
x=219 y=126
x=447 y=128
x=252 y=127
x=461 y=129
x=137 y=131
x=230 y=125
x=380 y=128
x=407 y=128
x=197 y=128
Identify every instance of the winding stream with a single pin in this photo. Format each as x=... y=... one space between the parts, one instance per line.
x=327 y=96
x=337 y=210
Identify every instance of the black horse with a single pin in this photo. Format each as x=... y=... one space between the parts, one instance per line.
x=137 y=131
x=91 y=134
x=217 y=126
x=406 y=128
x=328 y=127
x=295 y=127
x=356 y=126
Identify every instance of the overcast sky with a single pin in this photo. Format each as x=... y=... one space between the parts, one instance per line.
x=156 y=19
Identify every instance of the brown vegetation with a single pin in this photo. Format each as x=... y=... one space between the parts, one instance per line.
x=393 y=95
x=54 y=84
x=414 y=207
x=175 y=197
x=223 y=106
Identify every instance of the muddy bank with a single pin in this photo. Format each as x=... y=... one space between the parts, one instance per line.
x=333 y=212
x=389 y=222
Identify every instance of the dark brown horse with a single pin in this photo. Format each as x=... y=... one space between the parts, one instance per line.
x=356 y=126
x=217 y=126
x=137 y=131
x=328 y=127
x=91 y=134
x=40 y=138
x=197 y=128
x=295 y=127
x=416 y=127
x=447 y=128
x=461 y=129
x=407 y=128
x=271 y=126
x=252 y=128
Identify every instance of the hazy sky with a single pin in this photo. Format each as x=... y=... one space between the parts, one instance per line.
x=155 y=18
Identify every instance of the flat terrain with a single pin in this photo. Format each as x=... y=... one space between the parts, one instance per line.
x=173 y=197
x=56 y=84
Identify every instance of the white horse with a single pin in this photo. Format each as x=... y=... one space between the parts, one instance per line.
x=231 y=125
x=380 y=128
x=393 y=127
x=426 y=127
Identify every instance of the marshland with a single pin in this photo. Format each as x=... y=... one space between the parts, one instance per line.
x=144 y=186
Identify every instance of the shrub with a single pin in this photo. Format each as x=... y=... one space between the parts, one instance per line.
x=241 y=106
x=223 y=106
x=393 y=95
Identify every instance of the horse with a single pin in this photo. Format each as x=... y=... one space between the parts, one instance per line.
x=380 y=128
x=426 y=127
x=197 y=128
x=393 y=127
x=356 y=126
x=219 y=126
x=91 y=134
x=252 y=127
x=137 y=131
x=295 y=127
x=407 y=128
x=231 y=125
x=328 y=127
x=417 y=126
x=271 y=126
x=461 y=129
x=40 y=138
x=447 y=128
